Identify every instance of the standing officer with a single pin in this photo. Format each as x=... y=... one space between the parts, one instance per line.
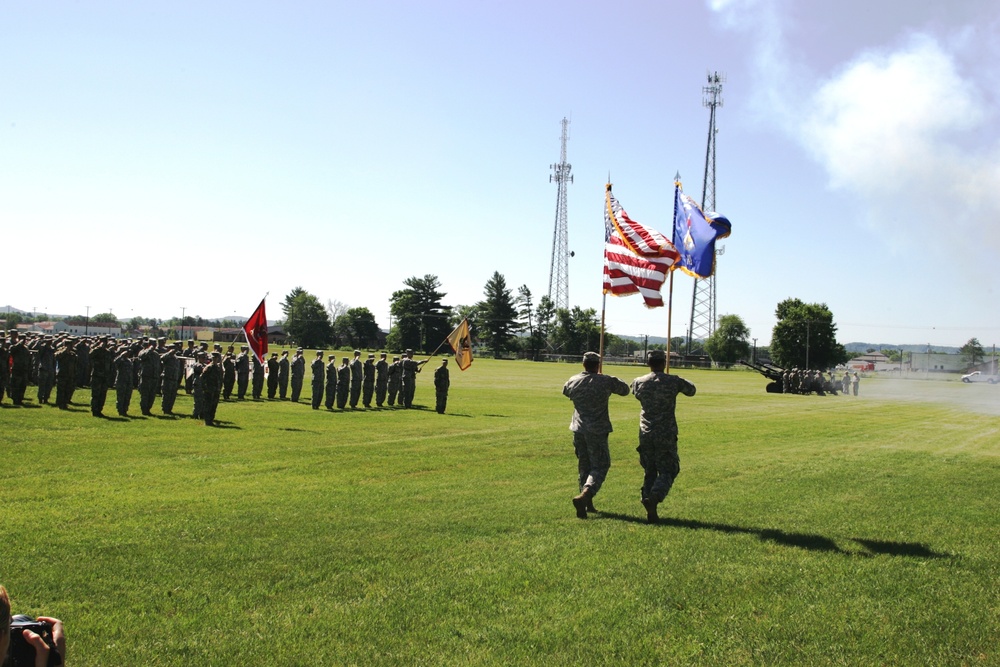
x=368 y=384
x=46 y=358
x=123 y=381
x=381 y=380
x=343 y=382
x=318 y=375
x=257 y=386
x=211 y=385
x=409 y=369
x=590 y=391
x=298 y=374
x=394 y=376
x=170 y=376
x=331 y=381
x=101 y=369
x=357 y=377
x=272 y=375
x=441 y=384
x=657 y=394
x=228 y=373
x=197 y=388
x=20 y=368
x=149 y=377
x=283 y=375
x=65 y=374
x=242 y=373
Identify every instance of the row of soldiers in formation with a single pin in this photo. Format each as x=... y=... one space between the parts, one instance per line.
x=66 y=362
x=805 y=381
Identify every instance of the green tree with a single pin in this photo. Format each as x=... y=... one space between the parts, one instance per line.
x=575 y=331
x=106 y=318
x=306 y=320
x=972 y=351
x=545 y=315
x=497 y=315
x=357 y=328
x=421 y=321
x=805 y=336
x=730 y=340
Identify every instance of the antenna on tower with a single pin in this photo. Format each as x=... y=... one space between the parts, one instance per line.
x=559 y=268
x=703 y=310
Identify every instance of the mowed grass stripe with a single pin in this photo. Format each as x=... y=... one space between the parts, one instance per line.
x=802 y=530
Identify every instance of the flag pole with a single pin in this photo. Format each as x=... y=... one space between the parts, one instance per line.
x=670 y=317
x=600 y=352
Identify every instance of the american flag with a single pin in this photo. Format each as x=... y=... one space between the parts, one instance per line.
x=636 y=258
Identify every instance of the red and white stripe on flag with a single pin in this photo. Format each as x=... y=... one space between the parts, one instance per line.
x=637 y=258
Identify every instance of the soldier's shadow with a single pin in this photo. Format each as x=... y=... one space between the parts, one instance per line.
x=807 y=541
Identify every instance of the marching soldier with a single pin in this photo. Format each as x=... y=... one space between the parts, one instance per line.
x=441 y=384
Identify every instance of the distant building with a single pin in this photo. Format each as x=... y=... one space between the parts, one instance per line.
x=935 y=362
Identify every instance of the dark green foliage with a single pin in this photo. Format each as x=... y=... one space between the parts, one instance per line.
x=420 y=321
x=730 y=341
x=306 y=320
x=805 y=336
x=497 y=315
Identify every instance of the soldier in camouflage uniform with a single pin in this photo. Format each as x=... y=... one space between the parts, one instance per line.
x=318 y=369
x=242 y=373
x=149 y=377
x=381 y=380
x=65 y=375
x=4 y=368
x=394 y=374
x=228 y=374
x=46 y=359
x=657 y=393
x=357 y=377
x=101 y=370
x=283 y=375
x=590 y=391
x=197 y=388
x=211 y=385
x=272 y=376
x=20 y=368
x=368 y=383
x=331 y=381
x=343 y=383
x=169 y=377
x=257 y=383
x=123 y=381
x=441 y=383
x=408 y=380
x=298 y=368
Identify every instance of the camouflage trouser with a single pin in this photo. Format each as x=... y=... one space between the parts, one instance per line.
x=98 y=395
x=658 y=457
x=331 y=395
x=296 y=388
x=199 y=401
x=393 y=390
x=593 y=459
x=168 y=390
x=441 y=400
x=355 y=394
x=46 y=379
x=242 y=381
x=123 y=396
x=317 y=393
x=380 y=389
x=342 y=391
x=367 y=391
x=147 y=395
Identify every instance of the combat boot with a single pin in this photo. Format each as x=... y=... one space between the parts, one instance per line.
x=581 y=501
x=650 y=505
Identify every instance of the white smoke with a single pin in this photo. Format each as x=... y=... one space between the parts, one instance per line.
x=899 y=127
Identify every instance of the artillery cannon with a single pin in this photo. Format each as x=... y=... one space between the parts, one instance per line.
x=771 y=372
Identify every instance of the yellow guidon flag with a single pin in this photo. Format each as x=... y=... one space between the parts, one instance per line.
x=461 y=342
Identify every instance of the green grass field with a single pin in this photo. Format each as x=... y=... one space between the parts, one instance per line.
x=802 y=530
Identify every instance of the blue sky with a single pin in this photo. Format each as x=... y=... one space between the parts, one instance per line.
x=199 y=155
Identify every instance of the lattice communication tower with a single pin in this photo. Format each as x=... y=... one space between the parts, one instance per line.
x=559 y=269
x=703 y=312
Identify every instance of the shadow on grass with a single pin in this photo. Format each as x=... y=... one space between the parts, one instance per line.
x=806 y=541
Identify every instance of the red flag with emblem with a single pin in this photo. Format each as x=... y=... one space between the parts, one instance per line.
x=256 y=332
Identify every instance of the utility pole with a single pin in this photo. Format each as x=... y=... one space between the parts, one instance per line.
x=183 y=308
x=703 y=298
x=559 y=267
x=86 y=326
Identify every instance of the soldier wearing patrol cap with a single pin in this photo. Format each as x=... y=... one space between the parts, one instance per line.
x=242 y=372
x=272 y=376
x=657 y=394
x=357 y=377
x=394 y=375
x=590 y=391
x=408 y=379
x=368 y=384
x=318 y=369
x=381 y=379
x=298 y=369
x=331 y=381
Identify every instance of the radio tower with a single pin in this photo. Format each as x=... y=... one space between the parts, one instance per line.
x=559 y=269
x=703 y=314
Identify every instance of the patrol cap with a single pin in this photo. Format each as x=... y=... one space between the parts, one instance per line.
x=382 y=355
x=319 y=353
x=591 y=358
x=331 y=357
x=371 y=356
x=656 y=356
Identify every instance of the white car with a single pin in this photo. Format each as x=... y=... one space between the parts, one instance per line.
x=976 y=376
